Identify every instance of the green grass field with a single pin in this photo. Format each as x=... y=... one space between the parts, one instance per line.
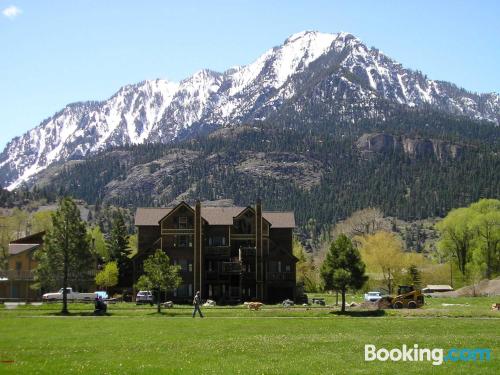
x=136 y=340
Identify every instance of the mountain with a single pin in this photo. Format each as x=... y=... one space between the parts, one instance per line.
x=407 y=169
x=332 y=74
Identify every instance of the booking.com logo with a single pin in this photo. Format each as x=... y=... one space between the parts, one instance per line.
x=416 y=354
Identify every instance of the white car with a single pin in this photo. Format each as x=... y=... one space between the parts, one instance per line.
x=144 y=296
x=70 y=295
x=373 y=296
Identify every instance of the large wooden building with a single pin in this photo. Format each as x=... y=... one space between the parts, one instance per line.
x=16 y=281
x=230 y=254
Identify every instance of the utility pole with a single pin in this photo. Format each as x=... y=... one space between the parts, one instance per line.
x=451 y=273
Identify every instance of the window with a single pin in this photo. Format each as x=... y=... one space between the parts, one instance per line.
x=19 y=265
x=273 y=266
x=183 y=241
x=288 y=268
x=217 y=241
x=182 y=222
x=183 y=290
x=184 y=264
x=279 y=266
x=190 y=289
x=190 y=267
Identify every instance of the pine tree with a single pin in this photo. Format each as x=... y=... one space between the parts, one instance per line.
x=118 y=245
x=415 y=276
x=343 y=267
x=65 y=259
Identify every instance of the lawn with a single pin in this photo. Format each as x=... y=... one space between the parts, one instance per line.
x=235 y=341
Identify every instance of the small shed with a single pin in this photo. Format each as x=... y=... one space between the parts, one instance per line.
x=437 y=288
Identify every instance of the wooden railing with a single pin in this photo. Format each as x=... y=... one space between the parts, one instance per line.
x=17 y=275
x=218 y=251
x=29 y=275
x=230 y=267
x=280 y=276
x=248 y=251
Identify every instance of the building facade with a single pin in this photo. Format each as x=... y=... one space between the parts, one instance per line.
x=230 y=254
x=15 y=283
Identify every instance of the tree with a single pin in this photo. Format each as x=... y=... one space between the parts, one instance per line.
x=99 y=246
x=65 y=256
x=485 y=221
x=306 y=271
x=366 y=221
x=19 y=222
x=108 y=277
x=118 y=244
x=41 y=221
x=414 y=276
x=456 y=236
x=343 y=267
x=133 y=244
x=159 y=275
x=5 y=237
x=383 y=252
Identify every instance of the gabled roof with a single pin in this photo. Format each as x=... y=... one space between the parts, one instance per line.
x=249 y=208
x=17 y=248
x=285 y=219
x=172 y=210
x=214 y=216
x=150 y=216
x=30 y=242
x=220 y=215
x=32 y=238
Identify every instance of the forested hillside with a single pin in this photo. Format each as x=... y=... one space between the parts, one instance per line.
x=319 y=170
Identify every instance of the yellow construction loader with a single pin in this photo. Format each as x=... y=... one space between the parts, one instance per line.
x=408 y=297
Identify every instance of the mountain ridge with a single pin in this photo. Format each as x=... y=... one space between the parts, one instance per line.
x=308 y=69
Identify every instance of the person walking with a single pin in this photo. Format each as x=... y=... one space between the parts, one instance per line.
x=197 y=303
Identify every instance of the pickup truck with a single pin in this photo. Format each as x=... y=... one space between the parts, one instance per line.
x=71 y=295
x=373 y=296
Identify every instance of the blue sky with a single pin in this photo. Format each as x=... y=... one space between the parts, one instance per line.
x=57 y=52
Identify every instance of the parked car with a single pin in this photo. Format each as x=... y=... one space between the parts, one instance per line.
x=70 y=295
x=144 y=296
x=373 y=296
x=318 y=301
x=302 y=299
x=287 y=303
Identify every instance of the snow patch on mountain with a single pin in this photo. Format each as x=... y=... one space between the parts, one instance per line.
x=160 y=110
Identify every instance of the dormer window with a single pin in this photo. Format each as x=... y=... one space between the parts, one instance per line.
x=183 y=222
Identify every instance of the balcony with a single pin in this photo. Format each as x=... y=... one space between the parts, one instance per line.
x=280 y=276
x=218 y=251
x=230 y=267
x=17 y=275
x=248 y=275
x=248 y=251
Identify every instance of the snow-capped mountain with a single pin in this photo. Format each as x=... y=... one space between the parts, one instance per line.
x=312 y=66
